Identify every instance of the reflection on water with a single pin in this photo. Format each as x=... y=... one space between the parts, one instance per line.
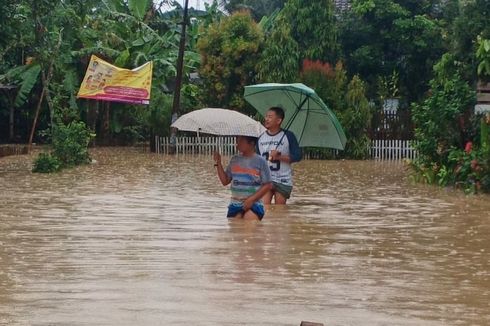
x=141 y=239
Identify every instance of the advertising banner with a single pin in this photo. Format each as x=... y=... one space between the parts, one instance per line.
x=107 y=82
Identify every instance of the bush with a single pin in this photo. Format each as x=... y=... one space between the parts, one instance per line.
x=441 y=121
x=70 y=143
x=46 y=163
x=356 y=120
x=444 y=128
x=466 y=169
x=470 y=170
x=70 y=148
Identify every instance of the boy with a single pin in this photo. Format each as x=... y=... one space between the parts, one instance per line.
x=280 y=147
x=250 y=180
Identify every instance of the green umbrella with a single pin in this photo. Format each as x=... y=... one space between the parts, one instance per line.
x=311 y=121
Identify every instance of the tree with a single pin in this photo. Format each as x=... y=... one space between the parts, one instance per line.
x=129 y=34
x=382 y=36
x=470 y=22
x=312 y=26
x=229 y=54
x=126 y=33
x=302 y=30
x=279 y=61
x=451 y=141
x=258 y=8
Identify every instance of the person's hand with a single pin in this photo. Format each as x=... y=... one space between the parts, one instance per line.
x=217 y=158
x=274 y=155
x=247 y=204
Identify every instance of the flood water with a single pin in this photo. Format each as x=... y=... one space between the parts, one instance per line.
x=142 y=239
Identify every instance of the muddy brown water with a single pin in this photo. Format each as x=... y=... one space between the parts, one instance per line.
x=141 y=239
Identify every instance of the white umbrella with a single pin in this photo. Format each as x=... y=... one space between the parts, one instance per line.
x=219 y=122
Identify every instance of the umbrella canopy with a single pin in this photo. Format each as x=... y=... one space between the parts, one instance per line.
x=311 y=121
x=219 y=122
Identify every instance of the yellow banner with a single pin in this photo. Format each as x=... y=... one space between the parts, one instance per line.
x=107 y=82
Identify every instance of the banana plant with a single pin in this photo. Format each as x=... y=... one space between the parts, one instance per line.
x=26 y=77
x=128 y=34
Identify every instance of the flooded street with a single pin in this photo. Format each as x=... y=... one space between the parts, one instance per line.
x=142 y=239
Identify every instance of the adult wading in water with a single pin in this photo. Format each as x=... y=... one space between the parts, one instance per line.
x=280 y=148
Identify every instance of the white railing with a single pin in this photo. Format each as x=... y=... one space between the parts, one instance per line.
x=392 y=150
x=196 y=145
x=389 y=150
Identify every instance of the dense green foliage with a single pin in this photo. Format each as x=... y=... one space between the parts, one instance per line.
x=312 y=26
x=258 y=8
x=440 y=119
x=279 y=61
x=467 y=21
x=452 y=141
x=51 y=44
x=356 y=119
x=483 y=59
x=346 y=98
x=70 y=148
x=382 y=36
x=444 y=129
x=70 y=143
x=46 y=163
x=229 y=54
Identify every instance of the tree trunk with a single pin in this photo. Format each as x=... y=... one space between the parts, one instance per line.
x=36 y=115
x=46 y=79
x=178 y=79
x=11 y=119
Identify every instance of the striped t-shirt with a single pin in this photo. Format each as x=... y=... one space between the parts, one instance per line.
x=247 y=175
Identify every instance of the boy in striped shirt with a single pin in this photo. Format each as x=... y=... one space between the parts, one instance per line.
x=250 y=180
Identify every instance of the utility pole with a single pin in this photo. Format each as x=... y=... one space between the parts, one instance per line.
x=178 y=80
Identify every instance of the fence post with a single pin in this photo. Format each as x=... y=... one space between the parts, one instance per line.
x=397 y=149
x=390 y=150
x=381 y=148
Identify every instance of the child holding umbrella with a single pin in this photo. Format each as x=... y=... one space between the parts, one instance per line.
x=250 y=179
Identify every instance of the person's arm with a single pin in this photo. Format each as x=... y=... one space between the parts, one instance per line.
x=248 y=203
x=265 y=178
x=295 y=154
x=277 y=156
x=257 y=146
x=223 y=177
x=294 y=150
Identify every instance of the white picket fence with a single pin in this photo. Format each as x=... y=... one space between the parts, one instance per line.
x=196 y=145
x=387 y=150
x=392 y=150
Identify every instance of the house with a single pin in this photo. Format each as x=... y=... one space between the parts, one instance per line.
x=482 y=98
x=342 y=5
